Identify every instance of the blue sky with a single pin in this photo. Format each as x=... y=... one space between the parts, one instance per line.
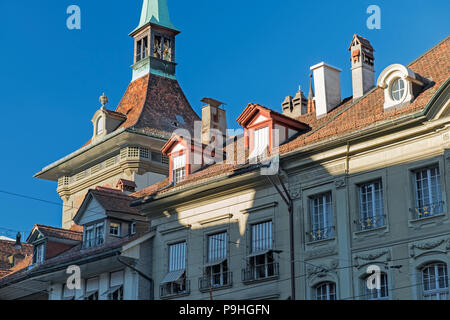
x=237 y=51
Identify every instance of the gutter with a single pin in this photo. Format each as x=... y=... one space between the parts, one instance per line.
x=97 y=143
x=81 y=261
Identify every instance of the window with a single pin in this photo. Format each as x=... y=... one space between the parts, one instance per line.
x=435 y=281
x=100 y=126
x=371 y=205
x=179 y=168
x=397 y=89
x=377 y=294
x=39 y=252
x=142 y=49
x=260 y=142
x=261 y=262
x=114 y=229
x=117 y=294
x=428 y=192
x=175 y=281
x=322 y=217
x=133 y=228
x=216 y=271
x=325 y=291
x=91 y=292
x=94 y=235
x=115 y=291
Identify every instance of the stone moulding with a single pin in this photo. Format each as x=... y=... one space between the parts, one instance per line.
x=418 y=249
x=259 y=208
x=363 y=259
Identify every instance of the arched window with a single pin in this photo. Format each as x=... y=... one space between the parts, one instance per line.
x=99 y=125
x=325 y=291
x=435 y=281
x=397 y=89
x=377 y=294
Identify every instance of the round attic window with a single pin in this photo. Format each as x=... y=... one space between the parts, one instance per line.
x=398 y=89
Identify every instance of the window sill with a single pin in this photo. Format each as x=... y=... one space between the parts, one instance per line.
x=175 y=296
x=369 y=231
x=311 y=243
x=227 y=286
x=268 y=279
x=418 y=220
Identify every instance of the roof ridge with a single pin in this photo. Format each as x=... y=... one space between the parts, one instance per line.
x=56 y=228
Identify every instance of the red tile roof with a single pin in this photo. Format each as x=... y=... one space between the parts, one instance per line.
x=7 y=250
x=59 y=233
x=350 y=116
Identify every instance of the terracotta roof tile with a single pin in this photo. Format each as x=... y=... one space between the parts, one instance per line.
x=350 y=116
x=59 y=233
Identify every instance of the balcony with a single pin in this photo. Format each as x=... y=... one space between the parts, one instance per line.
x=429 y=210
x=215 y=281
x=260 y=272
x=175 y=289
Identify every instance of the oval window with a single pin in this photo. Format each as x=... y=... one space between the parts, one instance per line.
x=398 y=89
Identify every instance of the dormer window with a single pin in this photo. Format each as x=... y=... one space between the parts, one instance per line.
x=179 y=168
x=100 y=126
x=39 y=253
x=261 y=142
x=94 y=235
x=114 y=229
x=397 y=89
x=401 y=85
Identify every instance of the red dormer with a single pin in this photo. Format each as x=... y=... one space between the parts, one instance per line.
x=185 y=157
x=260 y=125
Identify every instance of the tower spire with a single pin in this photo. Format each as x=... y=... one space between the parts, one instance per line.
x=156 y=12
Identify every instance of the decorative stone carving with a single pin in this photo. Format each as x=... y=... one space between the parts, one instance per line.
x=370 y=257
x=340 y=183
x=314 y=253
x=419 y=248
x=322 y=270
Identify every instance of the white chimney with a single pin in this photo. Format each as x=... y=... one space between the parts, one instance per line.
x=328 y=88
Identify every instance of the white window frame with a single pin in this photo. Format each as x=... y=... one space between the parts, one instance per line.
x=179 y=168
x=377 y=294
x=328 y=294
x=401 y=82
x=40 y=253
x=439 y=292
x=218 y=252
x=116 y=227
x=260 y=141
x=374 y=217
x=96 y=237
x=322 y=217
x=425 y=208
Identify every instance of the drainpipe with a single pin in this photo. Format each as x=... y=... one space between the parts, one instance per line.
x=290 y=204
x=143 y=275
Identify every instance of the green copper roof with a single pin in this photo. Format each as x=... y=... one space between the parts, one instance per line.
x=156 y=12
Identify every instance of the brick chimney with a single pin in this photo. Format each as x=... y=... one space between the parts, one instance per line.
x=214 y=120
x=362 y=60
x=327 y=87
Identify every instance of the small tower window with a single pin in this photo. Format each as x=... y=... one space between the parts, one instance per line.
x=142 y=49
x=100 y=126
x=398 y=89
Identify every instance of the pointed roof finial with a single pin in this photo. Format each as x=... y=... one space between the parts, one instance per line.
x=311 y=92
x=156 y=12
x=103 y=100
